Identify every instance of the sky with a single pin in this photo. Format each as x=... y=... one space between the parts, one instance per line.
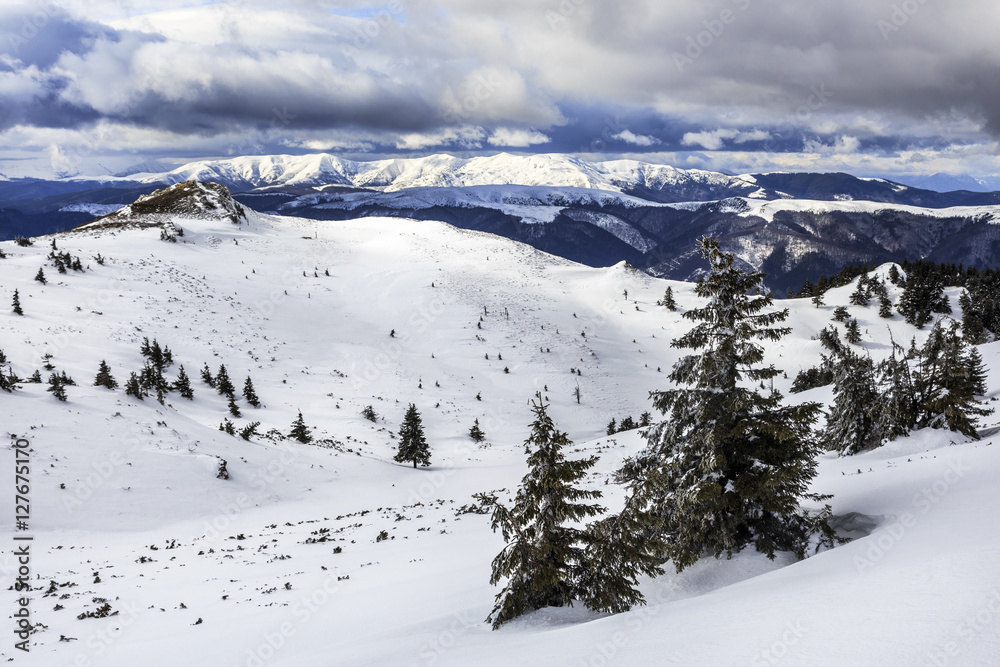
x=896 y=88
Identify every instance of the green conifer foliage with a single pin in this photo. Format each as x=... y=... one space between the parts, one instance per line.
x=412 y=443
x=730 y=465
x=544 y=560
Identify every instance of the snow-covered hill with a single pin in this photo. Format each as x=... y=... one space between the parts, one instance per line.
x=330 y=553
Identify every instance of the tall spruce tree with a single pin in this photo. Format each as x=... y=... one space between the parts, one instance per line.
x=852 y=332
x=223 y=384
x=923 y=294
x=182 y=385
x=884 y=304
x=853 y=423
x=152 y=381
x=133 y=387
x=620 y=548
x=412 y=443
x=206 y=376
x=40 y=276
x=104 y=377
x=950 y=376
x=299 y=430
x=56 y=386
x=897 y=404
x=544 y=559
x=250 y=394
x=859 y=297
x=16 y=304
x=729 y=466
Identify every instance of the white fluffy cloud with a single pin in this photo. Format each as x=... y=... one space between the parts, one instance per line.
x=715 y=139
x=630 y=137
x=515 y=138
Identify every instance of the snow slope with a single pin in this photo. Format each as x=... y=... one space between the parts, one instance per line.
x=246 y=571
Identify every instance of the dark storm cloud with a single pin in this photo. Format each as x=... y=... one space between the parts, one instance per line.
x=38 y=34
x=639 y=76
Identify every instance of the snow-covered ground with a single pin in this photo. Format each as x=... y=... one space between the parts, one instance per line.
x=282 y=564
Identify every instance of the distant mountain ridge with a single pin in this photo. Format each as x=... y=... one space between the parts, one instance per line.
x=792 y=225
x=654 y=182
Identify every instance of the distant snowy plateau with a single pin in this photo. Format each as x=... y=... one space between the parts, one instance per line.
x=330 y=553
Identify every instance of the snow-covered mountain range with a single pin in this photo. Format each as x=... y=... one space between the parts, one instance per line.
x=794 y=226
x=329 y=553
x=436 y=171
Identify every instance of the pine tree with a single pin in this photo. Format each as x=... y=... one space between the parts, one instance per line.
x=227 y=427
x=206 y=376
x=612 y=426
x=104 y=377
x=840 y=314
x=729 y=466
x=476 y=433
x=56 y=387
x=853 y=424
x=894 y=276
x=645 y=419
x=859 y=297
x=884 y=305
x=369 y=414
x=973 y=327
x=627 y=424
x=223 y=384
x=182 y=385
x=620 y=548
x=817 y=298
x=853 y=332
x=16 y=305
x=40 y=276
x=250 y=394
x=950 y=376
x=133 y=388
x=234 y=409
x=668 y=301
x=249 y=430
x=544 y=559
x=923 y=294
x=897 y=404
x=412 y=444
x=152 y=381
x=299 y=430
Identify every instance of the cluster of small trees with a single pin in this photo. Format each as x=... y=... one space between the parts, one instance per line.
x=727 y=469
x=937 y=385
x=64 y=261
x=628 y=423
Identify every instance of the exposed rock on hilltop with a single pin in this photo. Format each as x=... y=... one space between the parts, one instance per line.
x=190 y=199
